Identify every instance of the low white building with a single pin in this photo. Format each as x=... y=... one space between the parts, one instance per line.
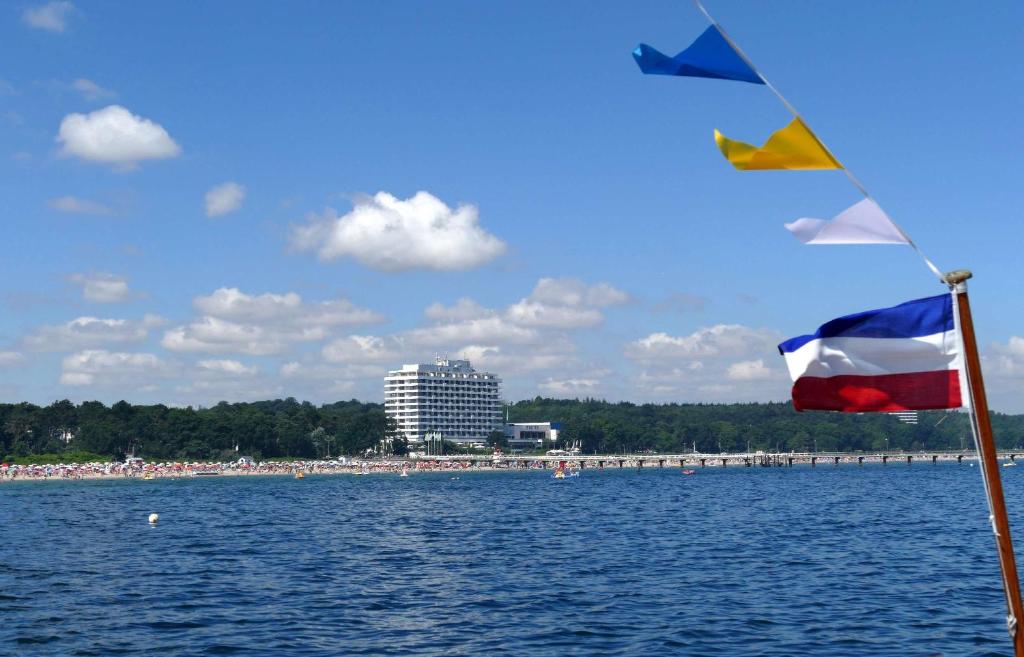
x=448 y=397
x=906 y=417
x=531 y=435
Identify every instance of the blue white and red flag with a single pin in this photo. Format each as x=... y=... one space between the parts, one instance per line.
x=903 y=358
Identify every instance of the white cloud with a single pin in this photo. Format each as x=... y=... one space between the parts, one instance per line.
x=532 y=313
x=364 y=349
x=574 y=292
x=1015 y=346
x=96 y=367
x=76 y=379
x=232 y=303
x=333 y=381
x=389 y=234
x=1006 y=361
x=490 y=330
x=565 y=303
x=212 y=387
x=90 y=90
x=236 y=322
x=1003 y=366
x=463 y=309
x=86 y=332
x=116 y=136
x=721 y=363
x=603 y=294
x=519 y=343
x=11 y=359
x=513 y=360
x=75 y=205
x=749 y=370
x=224 y=199
x=102 y=287
x=213 y=335
x=228 y=367
x=525 y=338
x=570 y=387
x=52 y=16
x=726 y=340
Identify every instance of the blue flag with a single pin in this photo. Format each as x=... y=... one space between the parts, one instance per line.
x=710 y=56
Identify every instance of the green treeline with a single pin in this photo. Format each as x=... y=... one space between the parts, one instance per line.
x=267 y=429
x=288 y=428
x=606 y=428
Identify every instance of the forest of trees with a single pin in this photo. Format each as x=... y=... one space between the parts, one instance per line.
x=288 y=428
x=603 y=427
x=267 y=429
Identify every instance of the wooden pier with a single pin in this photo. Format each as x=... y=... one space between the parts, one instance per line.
x=702 y=460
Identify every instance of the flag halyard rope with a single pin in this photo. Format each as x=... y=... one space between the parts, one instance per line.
x=792 y=110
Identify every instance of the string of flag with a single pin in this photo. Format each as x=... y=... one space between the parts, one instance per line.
x=913 y=356
x=716 y=55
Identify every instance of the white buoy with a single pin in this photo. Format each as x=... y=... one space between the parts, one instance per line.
x=153 y=517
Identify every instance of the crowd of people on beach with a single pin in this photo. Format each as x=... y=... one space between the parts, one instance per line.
x=136 y=468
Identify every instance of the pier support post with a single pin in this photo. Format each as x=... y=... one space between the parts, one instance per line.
x=600 y=465
x=789 y=461
x=860 y=460
x=814 y=461
x=910 y=459
x=935 y=459
x=746 y=462
x=885 y=459
x=723 y=463
x=661 y=463
x=959 y=458
x=837 y=460
x=703 y=462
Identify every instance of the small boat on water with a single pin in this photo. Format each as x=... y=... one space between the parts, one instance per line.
x=299 y=474
x=689 y=472
x=405 y=473
x=1009 y=464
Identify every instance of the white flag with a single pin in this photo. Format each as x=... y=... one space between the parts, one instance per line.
x=861 y=223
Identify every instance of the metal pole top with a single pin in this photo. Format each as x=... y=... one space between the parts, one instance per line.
x=958 y=276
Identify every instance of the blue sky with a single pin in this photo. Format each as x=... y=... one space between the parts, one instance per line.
x=600 y=243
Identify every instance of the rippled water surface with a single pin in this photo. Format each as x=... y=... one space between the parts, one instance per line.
x=875 y=560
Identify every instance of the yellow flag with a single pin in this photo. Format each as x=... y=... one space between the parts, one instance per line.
x=793 y=147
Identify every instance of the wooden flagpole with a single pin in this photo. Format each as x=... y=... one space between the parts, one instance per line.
x=957 y=281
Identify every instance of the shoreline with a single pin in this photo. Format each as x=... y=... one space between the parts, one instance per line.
x=300 y=469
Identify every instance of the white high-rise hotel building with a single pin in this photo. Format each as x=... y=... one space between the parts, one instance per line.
x=449 y=397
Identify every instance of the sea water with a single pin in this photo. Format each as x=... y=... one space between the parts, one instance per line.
x=847 y=560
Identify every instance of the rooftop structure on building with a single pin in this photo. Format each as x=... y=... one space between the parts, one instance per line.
x=449 y=397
